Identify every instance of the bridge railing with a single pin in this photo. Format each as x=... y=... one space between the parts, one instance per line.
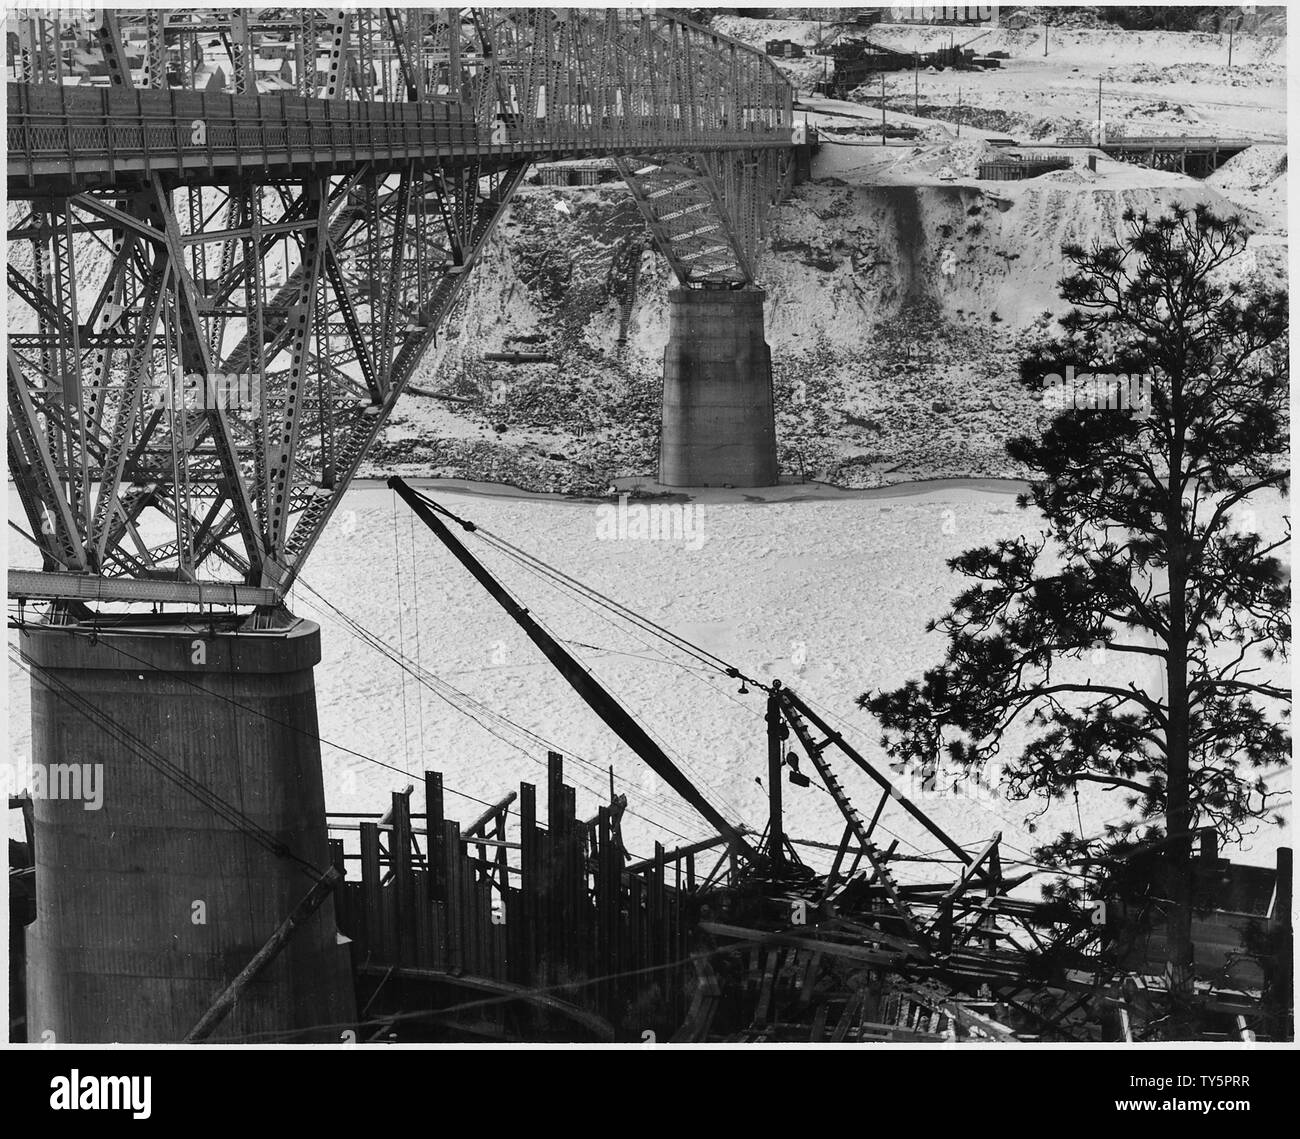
x=51 y=130
x=369 y=181
x=1174 y=140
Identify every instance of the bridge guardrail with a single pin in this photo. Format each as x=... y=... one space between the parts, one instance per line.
x=112 y=131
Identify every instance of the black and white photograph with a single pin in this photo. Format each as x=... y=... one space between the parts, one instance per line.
x=674 y=529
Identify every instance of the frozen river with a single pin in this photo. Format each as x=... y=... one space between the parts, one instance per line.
x=830 y=595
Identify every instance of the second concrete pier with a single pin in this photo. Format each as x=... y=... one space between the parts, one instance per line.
x=718 y=426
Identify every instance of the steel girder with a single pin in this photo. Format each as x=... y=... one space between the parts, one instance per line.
x=318 y=298
x=134 y=303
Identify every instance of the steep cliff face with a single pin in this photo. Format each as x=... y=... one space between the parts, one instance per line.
x=894 y=311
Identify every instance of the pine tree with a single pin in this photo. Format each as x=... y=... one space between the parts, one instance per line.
x=1149 y=555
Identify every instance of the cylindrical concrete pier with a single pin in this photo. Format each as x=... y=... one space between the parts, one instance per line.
x=149 y=901
x=718 y=426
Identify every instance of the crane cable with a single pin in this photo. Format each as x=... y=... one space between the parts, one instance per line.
x=681 y=643
x=561 y=580
x=649 y=729
x=468 y=706
x=314 y=736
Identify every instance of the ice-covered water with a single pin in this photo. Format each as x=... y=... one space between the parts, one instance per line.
x=831 y=596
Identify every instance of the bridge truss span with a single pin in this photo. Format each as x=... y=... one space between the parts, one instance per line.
x=217 y=296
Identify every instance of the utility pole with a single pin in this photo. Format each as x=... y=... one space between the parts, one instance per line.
x=882 y=108
x=916 y=89
x=1101 y=130
x=1045 y=11
x=959 y=112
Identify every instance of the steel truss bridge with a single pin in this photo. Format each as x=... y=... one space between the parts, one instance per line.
x=300 y=242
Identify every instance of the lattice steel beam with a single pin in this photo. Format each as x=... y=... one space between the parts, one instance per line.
x=169 y=247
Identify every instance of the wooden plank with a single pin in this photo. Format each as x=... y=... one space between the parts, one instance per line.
x=704 y=1002
x=833 y=876
x=491 y=953
x=830 y=949
x=455 y=936
x=636 y=957
x=482 y=854
x=337 y=857
x=385 y=827
x=515 y=935
x=586 y=878
x=565 y=918
x=513 y=940
x=809 y=983
x=469 y=919
x=618 y=923
x=790 y=981
x=373 y=943
x=554 y=791
x=851 y=1009
x=399 y=851
x=687 y=1032
x=763 y=1008
x=575 y=908
x=477 y=921
x=503 y=861
x=421 y=908
x=959 y=887
x=679 y=937
x=973 y=1020
x=620 y=912
x=555 y=879
x=440 y=940
x=544 y=923
x=571 y=1012
x=528 y=878
x=505 y=895
x=659 y=928
x=615 y=957
x=494 y=812
x=818 y=1033
x=465 y=892
x=433 y=811
x=483 y=908
x=501 y=968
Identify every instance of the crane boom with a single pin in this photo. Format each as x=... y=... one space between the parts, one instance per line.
x=580 y=680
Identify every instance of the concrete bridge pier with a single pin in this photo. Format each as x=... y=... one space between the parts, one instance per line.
x=718 y=425
x=149 y=900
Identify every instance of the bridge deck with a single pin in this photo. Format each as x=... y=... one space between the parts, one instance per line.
x=1177 y=142
x=315 y=238
x=100 y=136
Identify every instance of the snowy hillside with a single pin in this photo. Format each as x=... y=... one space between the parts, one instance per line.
x=899 y=287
